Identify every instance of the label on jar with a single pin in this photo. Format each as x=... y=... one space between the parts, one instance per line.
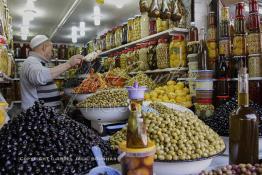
x=253 y=43
x=239 y=45
x=255 y=66
x=211 y=34
x=225 y=47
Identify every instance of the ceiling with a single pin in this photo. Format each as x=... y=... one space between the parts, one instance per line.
x=51 y=12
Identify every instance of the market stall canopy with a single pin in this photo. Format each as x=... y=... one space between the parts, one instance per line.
x=49 y=14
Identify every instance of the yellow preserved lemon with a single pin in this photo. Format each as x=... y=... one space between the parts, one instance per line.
x=2 y=117
x=180 y=99
x=171 y=83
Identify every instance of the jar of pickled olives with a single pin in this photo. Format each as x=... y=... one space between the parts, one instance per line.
x=162 y=53
x=151 y=56
x=143 y=65
x=123 y=60
x=108 y=40
x=177 y=51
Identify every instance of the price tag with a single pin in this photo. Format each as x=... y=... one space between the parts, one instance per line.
x=101 y=2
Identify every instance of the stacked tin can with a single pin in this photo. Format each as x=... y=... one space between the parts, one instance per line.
x=254 y=41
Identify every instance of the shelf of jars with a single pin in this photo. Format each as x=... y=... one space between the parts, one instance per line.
x=168 y=70
x=172 y=31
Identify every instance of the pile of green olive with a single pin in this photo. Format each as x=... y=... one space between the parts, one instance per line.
x=106 y=99
x=143 y=80
x=177 y=135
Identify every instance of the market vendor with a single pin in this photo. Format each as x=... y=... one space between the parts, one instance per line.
x=36 y=80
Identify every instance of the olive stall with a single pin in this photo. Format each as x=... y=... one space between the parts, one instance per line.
x=164 y=87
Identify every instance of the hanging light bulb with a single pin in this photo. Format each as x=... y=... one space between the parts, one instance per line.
x=97 y=15
x=82 y=29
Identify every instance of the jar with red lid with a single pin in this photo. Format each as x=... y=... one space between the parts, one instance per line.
x=240 y=7
x=254 y=22
x=152 y=57
x=253 y=6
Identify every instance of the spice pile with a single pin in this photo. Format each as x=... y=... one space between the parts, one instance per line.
x=143 y=80
x=178 y=135
x=219 y=122
x=41 y=141
x=91 y=84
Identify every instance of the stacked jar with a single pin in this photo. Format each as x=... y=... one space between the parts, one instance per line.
x=177 y=51
x=137 y=28
x=118 y=36
x=162 y=52
x=130 y=30
x=254 y=41
x=211 y=41
x=204 y=93
x=143 y=65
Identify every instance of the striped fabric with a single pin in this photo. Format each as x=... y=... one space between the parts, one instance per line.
x=49 y=94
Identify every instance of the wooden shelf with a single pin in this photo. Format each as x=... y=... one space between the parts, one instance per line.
x=155 y=36
x=161 y=70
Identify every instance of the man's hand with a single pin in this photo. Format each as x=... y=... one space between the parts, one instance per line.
x=75 y=60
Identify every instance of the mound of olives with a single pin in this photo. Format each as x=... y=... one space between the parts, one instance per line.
x=177 y=135
x=106 y=99
x=41 y=141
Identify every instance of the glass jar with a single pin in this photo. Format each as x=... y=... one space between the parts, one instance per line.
x=162 y=54
x=124 y=33
x=239 y=45
x=130 y=57
x=112 y=40
x=177 y=51
x=137 y=28
x=123 y=60
x=108 y=40
x=143 y=65
x=144 y=25
x=152 y=58
x=255 y=88
x=103 y=42
x=118 y=36
x=130 y=26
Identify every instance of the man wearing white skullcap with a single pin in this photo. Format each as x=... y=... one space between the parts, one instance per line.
x=36 y=80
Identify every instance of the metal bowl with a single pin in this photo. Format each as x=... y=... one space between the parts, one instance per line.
x=105 y=114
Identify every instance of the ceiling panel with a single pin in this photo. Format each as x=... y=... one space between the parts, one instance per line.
x=52 y=11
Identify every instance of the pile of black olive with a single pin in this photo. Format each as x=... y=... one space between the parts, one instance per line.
x=219 y=122
x=40 y=141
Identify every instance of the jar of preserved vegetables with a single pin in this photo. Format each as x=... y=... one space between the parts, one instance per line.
x=152 y=58
x=162 y=53
x=124 y=33
x=137 y=28
x=143 y=65
x=177 y=51
x=108 y=40
x=130 y=26
x=113 y=44
x=123 y=60
x=144 y=25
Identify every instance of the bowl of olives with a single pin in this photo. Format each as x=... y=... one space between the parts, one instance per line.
x=81 y=97
x=106 y=106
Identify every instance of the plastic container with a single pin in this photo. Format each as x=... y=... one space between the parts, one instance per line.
x=193 y=65
x=193 y=74
x=137 y=161
x=205 y=74
x=204 y=84
x=204 y=94
x=192 y=88
x=193 y=47
x=192 y=57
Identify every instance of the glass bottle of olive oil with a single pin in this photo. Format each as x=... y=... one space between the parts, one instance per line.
x=136 y=129
x=243 y=126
